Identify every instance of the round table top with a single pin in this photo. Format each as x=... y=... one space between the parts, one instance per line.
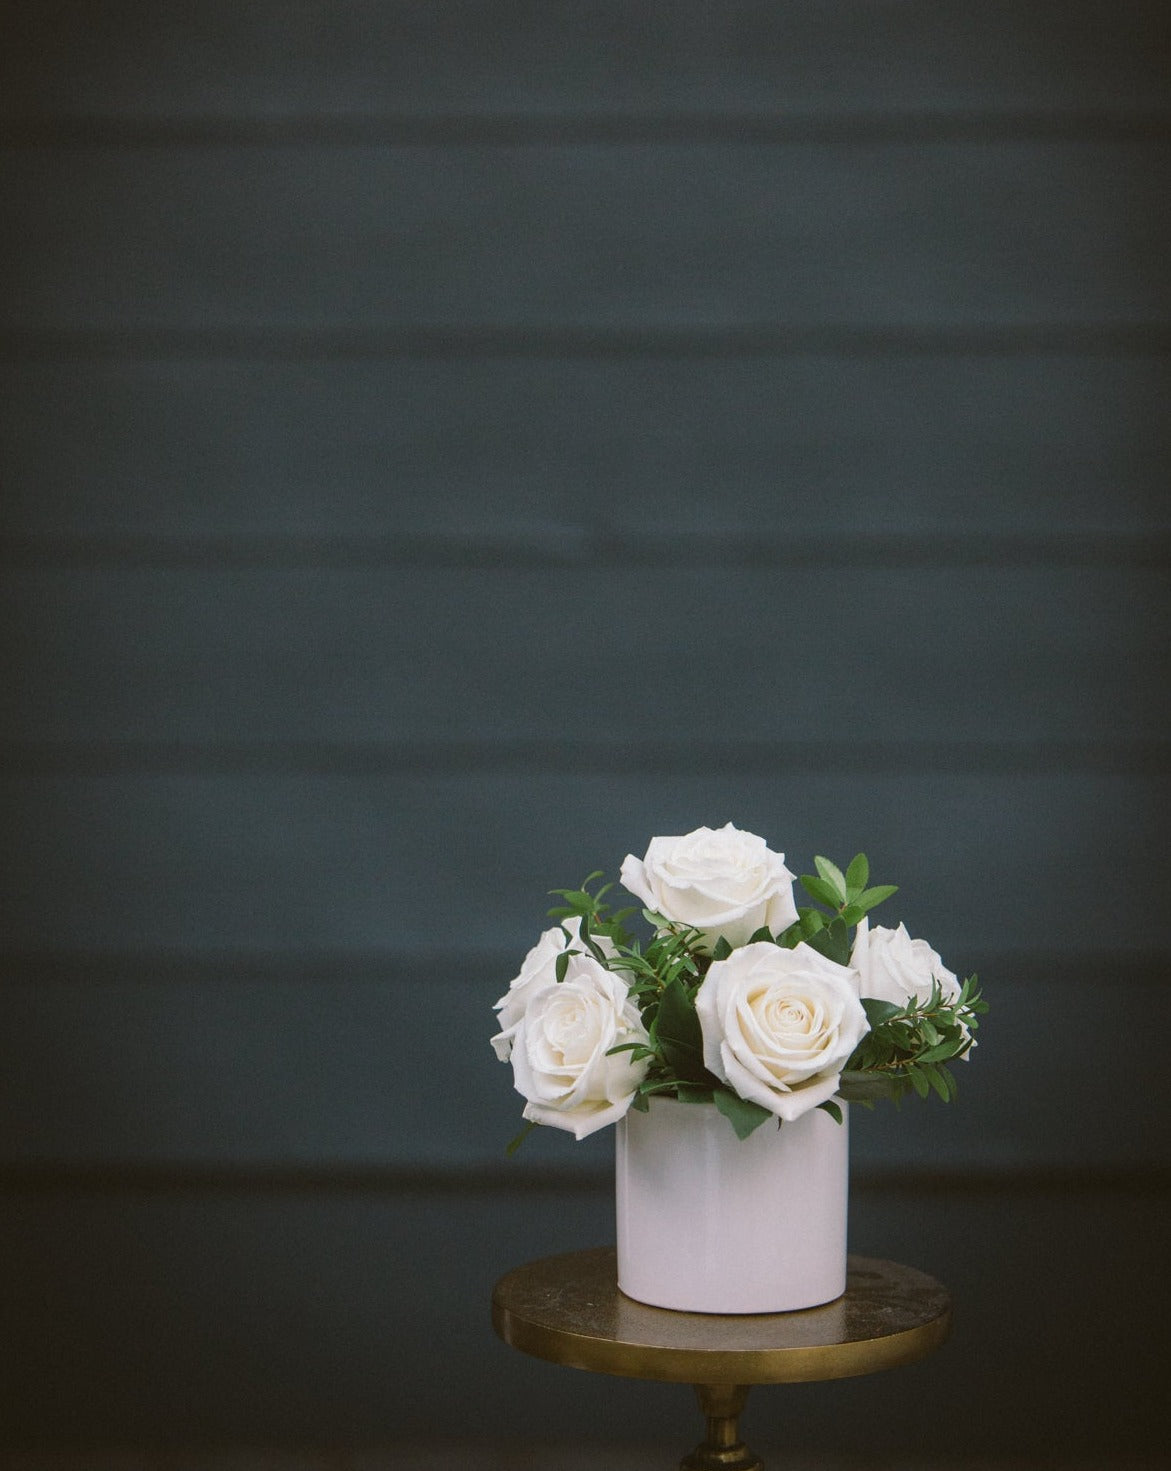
x=568 y=1309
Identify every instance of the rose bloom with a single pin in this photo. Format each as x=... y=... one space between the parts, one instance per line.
x=559 y=1049
x=538 y=969
x=722 y=882
x=893 y=967
x=778 y=1025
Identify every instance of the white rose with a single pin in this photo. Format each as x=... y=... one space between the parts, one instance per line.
x=538 y=969
x=893 y=967
x=778 y=1025
x=560 y=1046
x=724 y=882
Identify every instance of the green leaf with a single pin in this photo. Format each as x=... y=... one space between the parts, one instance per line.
x=679 y=1035
x=831 y=1108
x=514 y=1144
x=694 y=1093
x=821 y=890
x=878 y=1012
x=639 y=1049
x=761 y=936
x=832 y=875
x=920 y=1084
x=721 y=949
x=577 y=897
x=942 y=1050
x=741 y=1113
x=833 y=942
x=650 y=1086
x=863 y=1087
x=868 y=898
x=561 y=965
x=858 y=874
x=935 y=1079
x=586 y=933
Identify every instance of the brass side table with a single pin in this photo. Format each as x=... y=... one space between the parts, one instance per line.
x=568 y=1309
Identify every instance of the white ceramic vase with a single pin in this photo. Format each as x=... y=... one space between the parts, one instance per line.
x=709 y=1223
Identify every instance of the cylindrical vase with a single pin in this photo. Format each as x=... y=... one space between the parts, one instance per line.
x=710 y=1223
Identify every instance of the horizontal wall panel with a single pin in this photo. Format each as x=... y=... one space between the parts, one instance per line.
x=298 y=863
x=343 y=1321
x=911 y=656
x=866 y=235
x=390 y=1070
x=815 y=445
x=270 y=59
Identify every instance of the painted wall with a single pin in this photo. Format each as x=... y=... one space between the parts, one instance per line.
x=443 y=446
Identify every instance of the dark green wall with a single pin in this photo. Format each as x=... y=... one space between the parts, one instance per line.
x=443 y=446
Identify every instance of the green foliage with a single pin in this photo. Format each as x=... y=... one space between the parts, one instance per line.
x=514 y=1144
x=676 y=1035
x=846 y=896
x=906 y=1050
x=833 y=941
x=741 y=1113
x=593 y=913
x=832 y=875
x=857 y=874
x=907 y=1047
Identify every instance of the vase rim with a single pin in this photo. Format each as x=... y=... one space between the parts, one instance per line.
x=707 y=1103
x=667 y=1100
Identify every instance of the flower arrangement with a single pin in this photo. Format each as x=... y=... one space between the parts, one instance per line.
x=740 y=997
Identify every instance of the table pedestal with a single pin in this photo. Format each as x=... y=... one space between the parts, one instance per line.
x=721 y=1449
x=568 y=1309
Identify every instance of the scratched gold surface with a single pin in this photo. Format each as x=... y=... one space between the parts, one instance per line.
x=568 y=1309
